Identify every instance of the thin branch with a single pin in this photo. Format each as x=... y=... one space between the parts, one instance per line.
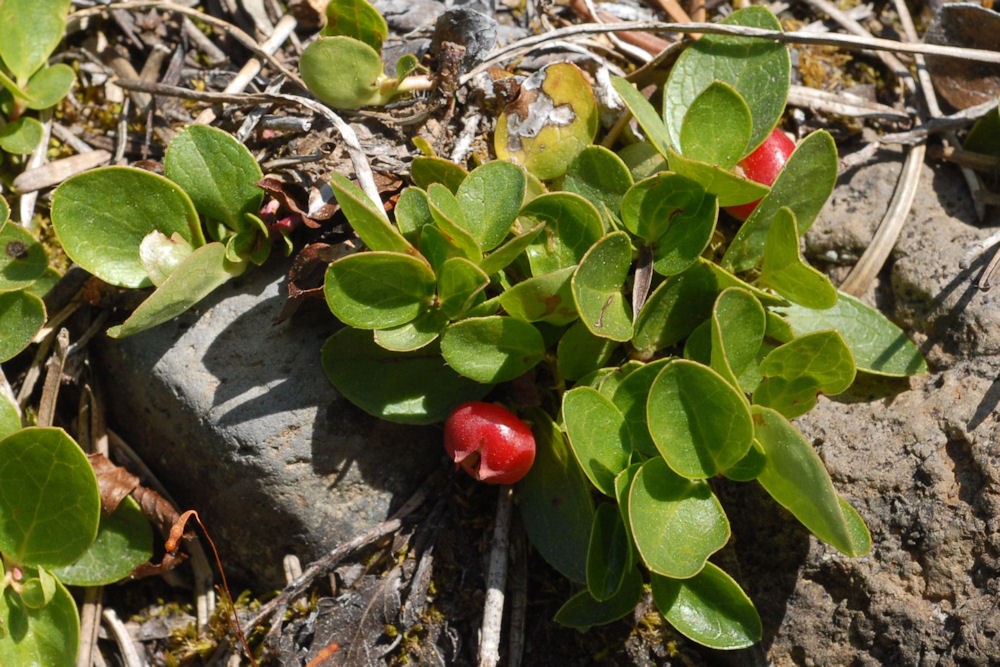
x=496 y=581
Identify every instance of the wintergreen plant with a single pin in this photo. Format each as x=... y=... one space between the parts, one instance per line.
x=343 y=67
x=659 y=367
x=134 y=228
x=30 y=30
x=24 y=278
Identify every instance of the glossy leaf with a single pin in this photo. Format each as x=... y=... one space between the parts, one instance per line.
x=716 y=127
x=20 y=136
x=582 y=611
x=413 y=388
x=677 y=523
x=10 y=421
x=642 y=160
x=709 y=608
x=413 y=213
x=731 y=188
x=102 y=216
x=609 y=554
x=803 y=185
x=630 y=397
x=343 y=72
x=787 y=273
x=357 y=19
x=545 y=298
x=490 y=197
x=30 y=30
x=49 y=504
x=749 y=466
x=377 y=290
x=22 y=258
x=195 y=278
x=598 y=284
x=644 y=113
x=599 y=176
x=699 y=422
x=738 y=326
x=426 y=170
x=675 y=308
x=555 y=502
x=49 y=85
x=124 y=540
x=414 y=334
x=878 y=345
x=22 y=314
x=795 y=477
x=369 y=222
x=759 y=70
x=580 y=352
x=502 y=257
x=492 y=349
x=217 y=172
x=796 y=372
x=572 y=225
x=459 y=283
x=450 y=219
x=46 y=636
x=597 y=435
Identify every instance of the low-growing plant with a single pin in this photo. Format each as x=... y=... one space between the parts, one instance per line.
x=662 y=359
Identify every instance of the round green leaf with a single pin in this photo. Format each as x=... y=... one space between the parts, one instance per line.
x=749 y=466
x=737 y=330
x=675 y=308
x=22 y=258
x=413 y=335
x=580 y=352
x=30 y=30
x=796 y=372
x=38 y=587
x=597 y=436
x=22 y=314
x=46 y=636
x=630 y=398
x=459 y=283
x=49 y=504
x=10 y=421
x=492 y=349
x=490 y=198
x=412 y=213
x=412 y=387
x=47 y=86
x=716 y=127
x=342 y=72
x=217 y=172
x=378 y=290
x=124 y=540
x=572 y=225
x=597 y=287
x=450 y=219
x=357 y=19
x=102 y=216
x=677 y=523
x=610 y=553
x=20 y=136
x=544 y=298
x=427 y=169
x=709 y=608
x=582 y=611
x=699 y=422
x=599 y=176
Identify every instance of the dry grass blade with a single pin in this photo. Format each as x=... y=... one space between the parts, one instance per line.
x=496 y=581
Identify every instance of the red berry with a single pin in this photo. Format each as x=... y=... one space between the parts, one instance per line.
x=489 y=442
x=763 y=166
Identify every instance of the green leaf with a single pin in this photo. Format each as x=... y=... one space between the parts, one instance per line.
x=730 y=188
x=716 y=127
x=737 y=330
x=580 y=352
x=49 y=503
x=343 y=72
x=489 y=198
x=674 y=215
x=647 y=117
x=413 y=387
x=796 y=372
x=878 y=345
x=597 y=287
x=642 y=160
x=500 y=258
x=102 y=216
x=459 y=283
x=425 y=170
x=378 y=290
x=406 y=65
x=749 y=466
x=413 y=213
x=630 y=397
x=47 y=86
x=217 y=172
x=437 y=247
x=699 y=422
x=30 y=30
x=759 y=70
x=675 y=308
x=583 y=612
x=795 y=477
x=413 y=335
x=22 y=314
x=555 y=501
x=803 y=185
x=195 y=278
x=38 y=588
x=544 y=298
x=46 y=636
x=369 y=222
x=357 y=19
x=160 y=255
x=492 y=349
x=572 y=225
x=709 y=608
x=787 y=273
x=677 y=523
x=124 y=540
x=22 y=258
x=610 y=553
x=450 y=220
x=597 y=435
x=599 y=176
x=20 y=136
x=10 y=421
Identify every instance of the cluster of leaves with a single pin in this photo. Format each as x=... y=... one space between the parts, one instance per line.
x=487 y=277
x=343 y=67
x=133 y=228
x=28 y=82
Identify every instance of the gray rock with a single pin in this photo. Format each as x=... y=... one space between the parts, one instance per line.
x=239 y=419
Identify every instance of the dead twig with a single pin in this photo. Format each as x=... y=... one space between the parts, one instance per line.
x=496 y=581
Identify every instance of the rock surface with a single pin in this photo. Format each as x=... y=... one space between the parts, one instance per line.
x=239 y=418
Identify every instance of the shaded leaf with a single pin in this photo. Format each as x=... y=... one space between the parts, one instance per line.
x=582 y=611
x=22 y=314
x=597 y=436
